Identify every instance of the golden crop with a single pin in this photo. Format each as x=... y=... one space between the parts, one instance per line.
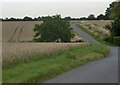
x=11 y=51
x=18 y=30
x=97 y=27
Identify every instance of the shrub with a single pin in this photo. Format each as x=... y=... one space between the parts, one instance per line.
x=79 y=40
x=116 y=40
x=109 y=39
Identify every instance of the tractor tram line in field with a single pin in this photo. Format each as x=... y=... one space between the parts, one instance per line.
x=14 y=33
x=20 y=33
x=18 y=29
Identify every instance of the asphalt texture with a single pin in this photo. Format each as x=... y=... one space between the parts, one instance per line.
x=101 y=71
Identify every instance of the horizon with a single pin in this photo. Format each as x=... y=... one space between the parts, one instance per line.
x=65 y=9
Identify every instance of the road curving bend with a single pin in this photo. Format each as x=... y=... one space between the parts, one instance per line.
x=101 y=71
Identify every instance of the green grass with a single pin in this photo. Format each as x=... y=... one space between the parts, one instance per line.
x=49 y=67
x=95 y=37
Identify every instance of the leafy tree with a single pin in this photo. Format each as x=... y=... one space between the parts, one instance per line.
x=6 y=19
x=67 y=18
x=39 y=18
x=115 y=25
x=101 y=17
x=27 y=18
x=53 y=29
x=91 y=17
x=115 y=11
x=108 y=11
x=115 y=15
x=35 y=19
x=12 y=19
x=83 y=18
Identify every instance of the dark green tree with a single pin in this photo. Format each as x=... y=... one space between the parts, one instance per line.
x=83 y=18
x=53 y=29
x=108 y=11
x=100 y=17
x=115 y=25
x=67 y=18
x=27 y=18
x=91 y=17
x=115 y=15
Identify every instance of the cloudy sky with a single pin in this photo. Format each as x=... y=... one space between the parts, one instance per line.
x=35 y=8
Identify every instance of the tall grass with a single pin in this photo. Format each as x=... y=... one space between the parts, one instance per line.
x=14 y=53
x=94 y=36
x=51 y=66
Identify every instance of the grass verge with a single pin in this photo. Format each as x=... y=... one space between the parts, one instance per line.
x=47 y=68
x=95 y=37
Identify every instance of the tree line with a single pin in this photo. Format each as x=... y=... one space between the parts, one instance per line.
x=27 y=18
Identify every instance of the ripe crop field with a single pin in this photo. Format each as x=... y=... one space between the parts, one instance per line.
x=12 y=51
x=18 y=31
x=100 y=23
x=97 y=27
x=21 y=31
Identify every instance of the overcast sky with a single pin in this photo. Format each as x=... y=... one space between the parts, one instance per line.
x=35 y=8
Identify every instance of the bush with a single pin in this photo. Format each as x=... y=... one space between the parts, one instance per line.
x=79 y=40
x=116 y=40
x=109 y=39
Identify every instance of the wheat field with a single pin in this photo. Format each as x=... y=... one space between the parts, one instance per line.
x=100 y=23
x=97 y=27
x=23 y=31
x=12 y=51
x=18 y=30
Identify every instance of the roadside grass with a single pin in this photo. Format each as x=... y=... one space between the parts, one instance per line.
x=95 y=37
x=77 y=34
x=51 y=66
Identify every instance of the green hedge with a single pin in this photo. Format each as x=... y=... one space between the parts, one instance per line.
x=116 y=40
